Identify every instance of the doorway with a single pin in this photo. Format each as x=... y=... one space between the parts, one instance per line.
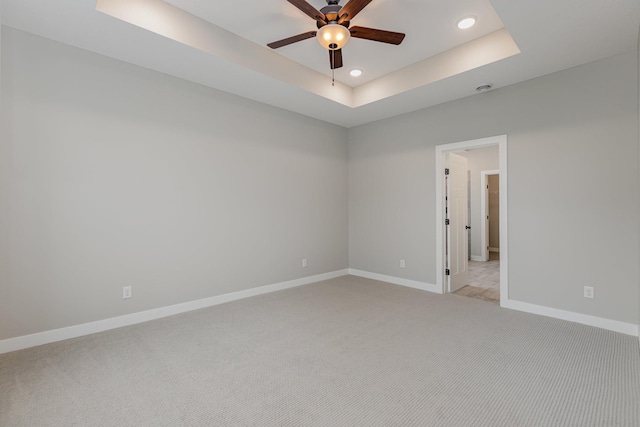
x=490 y=214
x=453 y=222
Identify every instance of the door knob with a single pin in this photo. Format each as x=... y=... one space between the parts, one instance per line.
x=467 y=227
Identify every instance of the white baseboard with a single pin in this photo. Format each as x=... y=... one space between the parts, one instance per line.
x=26 y=341
x=477 y=258
x=585 y=319
x=396 y=280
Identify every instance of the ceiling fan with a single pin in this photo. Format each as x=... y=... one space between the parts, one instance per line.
x=333 y=32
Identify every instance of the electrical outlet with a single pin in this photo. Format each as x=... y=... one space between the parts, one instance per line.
x=402 y=264
x=126 y=292
x=304 y=262
x=588 y=292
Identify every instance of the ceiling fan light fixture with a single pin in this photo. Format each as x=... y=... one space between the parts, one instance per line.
x=466 y=23
x=333 y=36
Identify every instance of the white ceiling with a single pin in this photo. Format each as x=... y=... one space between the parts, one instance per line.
x=222 y=45
x=430 y=26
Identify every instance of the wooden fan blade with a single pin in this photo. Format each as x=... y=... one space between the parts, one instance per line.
x=293 y=39
x=335 y=58
x=309 y=10
x=377 y=35
x=351 y=9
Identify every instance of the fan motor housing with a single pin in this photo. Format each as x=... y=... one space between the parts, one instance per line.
x=331 y=12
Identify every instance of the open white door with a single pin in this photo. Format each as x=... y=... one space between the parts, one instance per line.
x=485 y=217
x=456 y=213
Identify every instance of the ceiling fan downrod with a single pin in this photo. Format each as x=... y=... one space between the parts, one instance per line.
x=333 y=70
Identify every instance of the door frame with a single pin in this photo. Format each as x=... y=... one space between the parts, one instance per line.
x=484 y=211
x=501 y=142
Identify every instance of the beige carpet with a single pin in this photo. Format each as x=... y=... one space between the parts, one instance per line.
x=345 y=352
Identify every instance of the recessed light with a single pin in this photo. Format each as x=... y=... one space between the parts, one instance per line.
x=484 y=88
x=356 y=72
x=467 y=22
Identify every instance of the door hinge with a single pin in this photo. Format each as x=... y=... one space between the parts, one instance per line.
x=446 y=222
x=447 y=272
x=446 y=171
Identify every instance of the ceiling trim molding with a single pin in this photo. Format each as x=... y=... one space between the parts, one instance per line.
x=479 y=52
x=176 y=24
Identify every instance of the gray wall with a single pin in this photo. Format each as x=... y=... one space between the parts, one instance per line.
x=573 y=186
x=480 y=159
x=114 y=175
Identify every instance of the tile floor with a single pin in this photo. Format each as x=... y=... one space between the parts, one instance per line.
x=484 y=279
